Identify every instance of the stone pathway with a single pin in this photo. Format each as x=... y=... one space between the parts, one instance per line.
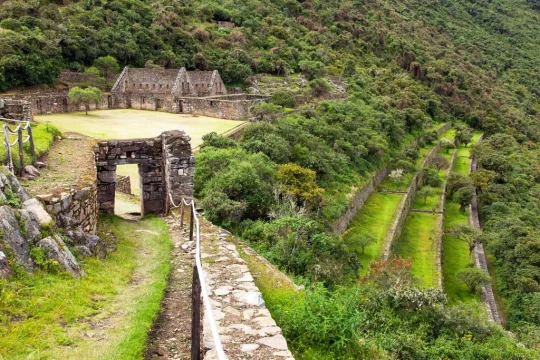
x=246 y=327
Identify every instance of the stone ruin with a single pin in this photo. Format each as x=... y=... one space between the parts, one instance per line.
x=166 y=168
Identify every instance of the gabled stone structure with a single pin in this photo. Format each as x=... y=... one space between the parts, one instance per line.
x=175 y=82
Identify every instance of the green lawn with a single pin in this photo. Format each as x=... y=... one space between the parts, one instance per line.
x=374 y=218
x=105 y=315
x=418 y=242
x=131 y=124
x=455 y=253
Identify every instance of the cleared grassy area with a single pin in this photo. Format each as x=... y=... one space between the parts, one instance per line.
x=389 y=185
x=105 y=315
x=374 y=219
x=455 y=253
x=131 y=124
x=43 y=139
x=418 y=242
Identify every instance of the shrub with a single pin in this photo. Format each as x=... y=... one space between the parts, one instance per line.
x=284 y=99
x=319 y=87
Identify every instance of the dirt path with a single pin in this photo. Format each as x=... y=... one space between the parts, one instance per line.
x=170 y=337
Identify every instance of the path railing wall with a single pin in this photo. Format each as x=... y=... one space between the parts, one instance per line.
x=20 y=140
x=199 y=289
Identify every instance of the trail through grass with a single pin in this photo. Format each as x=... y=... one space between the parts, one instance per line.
x=105 y=315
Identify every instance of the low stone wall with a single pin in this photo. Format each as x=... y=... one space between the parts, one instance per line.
x=231 y=107
x=77 y=208
x=16 y=109
x=358 y=200
x=123 y=184
x=405 y=205
x=55 y=103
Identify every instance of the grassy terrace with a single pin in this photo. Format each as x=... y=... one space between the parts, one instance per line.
x=455 y=255
x=374 y=219
x=377 y=214
x=108 y=312
x=418 y=240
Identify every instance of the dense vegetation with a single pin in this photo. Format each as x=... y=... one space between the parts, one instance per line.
x=409 y=65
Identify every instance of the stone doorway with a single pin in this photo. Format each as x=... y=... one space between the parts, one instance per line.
x=158 y=104
x=166 y=168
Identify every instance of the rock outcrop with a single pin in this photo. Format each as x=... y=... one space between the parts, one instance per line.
x=25 y=224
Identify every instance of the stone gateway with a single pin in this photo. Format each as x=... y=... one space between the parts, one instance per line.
x=166 y=168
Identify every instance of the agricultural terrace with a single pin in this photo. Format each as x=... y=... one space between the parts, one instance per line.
x=379 y=211
x=455 y=253
x=418 y=240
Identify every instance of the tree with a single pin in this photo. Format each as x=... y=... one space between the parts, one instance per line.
x=455 y=182
x=396 y=176
x=440 y=162
x=481 y=178
x=361 y=240
x=107 y=66
x=349 y=69
x=463 y=135
x=463 y=197
x=284 y=99
x=298 y=181
x=474 y=278
x=319 y=87
x=468 y=234
x=431 y=177
x=447 y=144
x=86 y=97
x=264 y=111
x=312 y=69
x=425 y=192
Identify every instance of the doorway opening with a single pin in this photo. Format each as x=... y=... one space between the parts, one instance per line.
x=127 y=195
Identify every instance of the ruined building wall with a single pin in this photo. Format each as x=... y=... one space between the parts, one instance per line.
x=16 y=110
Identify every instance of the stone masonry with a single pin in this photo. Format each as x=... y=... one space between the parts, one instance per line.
x=166 y=165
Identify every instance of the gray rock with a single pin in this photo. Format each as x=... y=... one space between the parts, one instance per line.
x=249 y=347
x=40 y=165
x=276 y=342
x=5 y=269
x=33 y=228
x=79 y=237
x=31 y=170
x=83 y=250
x=9 y=226
x=56 y=249
x=7 y=178
x=37 y=212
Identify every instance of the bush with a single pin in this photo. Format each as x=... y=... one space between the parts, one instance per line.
x=319 y=87
x=283 y=99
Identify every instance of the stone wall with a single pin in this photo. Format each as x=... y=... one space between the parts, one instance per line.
x=150 y=101
x=77 y=208
x=166 y=166
x=405 y=205
x=232 y=107
x=123 y=184
x=16 y=109
x=358 y=201
x=55 y=103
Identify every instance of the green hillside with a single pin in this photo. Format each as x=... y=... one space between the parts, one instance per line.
x=409 y=66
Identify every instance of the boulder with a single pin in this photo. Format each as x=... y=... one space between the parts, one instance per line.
x=79 y=237
x=83 y=250
x=7 y=178
x=32 y=226
x=37 y=212
x=12 y=238
x=5 y=269
x=56 y=249
x=40 y=165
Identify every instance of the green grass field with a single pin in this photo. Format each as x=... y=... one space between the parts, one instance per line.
x=418 y=242
x=374 y=219
x=455 y=253
x=115 y=304
x=132 y=124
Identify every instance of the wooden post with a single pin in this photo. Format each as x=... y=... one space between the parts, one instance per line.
x=8 y=150
x=21 y=153
x=182 y=214
x=195 y=303
x=32 y=147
